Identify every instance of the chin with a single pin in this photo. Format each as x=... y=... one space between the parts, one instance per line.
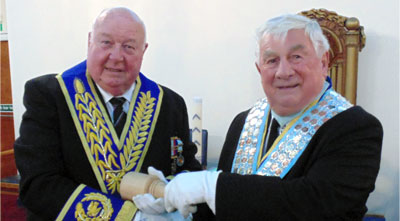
x=283 y=109
x=116 y=92
x=284 y=113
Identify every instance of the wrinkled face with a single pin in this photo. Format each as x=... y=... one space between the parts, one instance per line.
x=292 y=74
x=115 y=52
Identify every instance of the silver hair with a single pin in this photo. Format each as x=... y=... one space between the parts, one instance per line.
x=279 y=26
x=106 y=11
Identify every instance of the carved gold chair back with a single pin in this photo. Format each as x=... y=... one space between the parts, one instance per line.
x=346 y=38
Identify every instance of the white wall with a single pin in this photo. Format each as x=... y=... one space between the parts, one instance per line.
x=206 y=48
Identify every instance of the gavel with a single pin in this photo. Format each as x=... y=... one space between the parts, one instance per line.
x=135 y=183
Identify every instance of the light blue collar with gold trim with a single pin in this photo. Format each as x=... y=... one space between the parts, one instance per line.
x=289 y=146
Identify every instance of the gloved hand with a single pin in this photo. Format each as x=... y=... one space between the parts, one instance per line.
x=146 y=202
x=152 y=171
x=188 y=189
x=175 y=216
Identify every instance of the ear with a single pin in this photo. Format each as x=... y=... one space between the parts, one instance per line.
x=258 y=68
x=325 y=63
x=89 y=36
x=145 y=47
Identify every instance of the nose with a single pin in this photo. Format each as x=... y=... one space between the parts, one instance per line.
x=284 y=71
x=116 y=53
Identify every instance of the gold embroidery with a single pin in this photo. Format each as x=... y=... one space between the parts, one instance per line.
x=137 y=135
x=100 y=143
x=95 y=211
x=97 y=134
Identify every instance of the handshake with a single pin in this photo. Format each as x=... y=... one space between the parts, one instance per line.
x=156 y=198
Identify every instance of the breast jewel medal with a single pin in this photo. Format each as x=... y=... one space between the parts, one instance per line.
x=176 y=154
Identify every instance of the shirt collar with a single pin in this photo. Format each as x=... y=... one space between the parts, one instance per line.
x=127 y=95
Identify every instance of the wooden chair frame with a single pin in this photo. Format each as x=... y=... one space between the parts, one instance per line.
x=346 y=38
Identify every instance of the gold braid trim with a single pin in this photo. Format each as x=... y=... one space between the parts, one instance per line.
x=98 y=135
x=136 y=137
x=70 y=201
x=127 y=212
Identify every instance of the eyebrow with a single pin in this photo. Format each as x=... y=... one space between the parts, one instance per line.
x=102 y=34
x=268 y=53
x=109 y=36
x=297 y=48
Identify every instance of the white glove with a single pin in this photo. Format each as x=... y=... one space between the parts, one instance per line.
x=188 y=189
x=146 y=202
x=152 y=171
x=175 y=216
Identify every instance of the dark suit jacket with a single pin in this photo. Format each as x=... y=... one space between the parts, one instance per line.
x=50 y=157
x=331 y=180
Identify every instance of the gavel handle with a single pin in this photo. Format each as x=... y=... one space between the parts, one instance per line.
x=135 y=183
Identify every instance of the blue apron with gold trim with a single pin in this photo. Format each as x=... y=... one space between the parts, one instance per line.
x=110 y=156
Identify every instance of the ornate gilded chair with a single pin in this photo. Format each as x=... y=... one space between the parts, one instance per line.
x=346 y=38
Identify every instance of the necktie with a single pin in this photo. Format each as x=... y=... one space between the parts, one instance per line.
x=119 y=116
x=273 y=134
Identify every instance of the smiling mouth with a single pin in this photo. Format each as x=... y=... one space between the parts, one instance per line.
x=113 y=70
x=288 y=87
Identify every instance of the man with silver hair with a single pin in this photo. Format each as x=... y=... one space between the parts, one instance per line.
x=302 y=153
x=85 y=128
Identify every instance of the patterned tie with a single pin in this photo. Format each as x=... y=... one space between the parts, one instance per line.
x=119 y=116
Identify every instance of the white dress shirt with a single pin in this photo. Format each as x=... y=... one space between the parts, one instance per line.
x=107 y=97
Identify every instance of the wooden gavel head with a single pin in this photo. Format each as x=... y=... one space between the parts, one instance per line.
x=135 y=183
